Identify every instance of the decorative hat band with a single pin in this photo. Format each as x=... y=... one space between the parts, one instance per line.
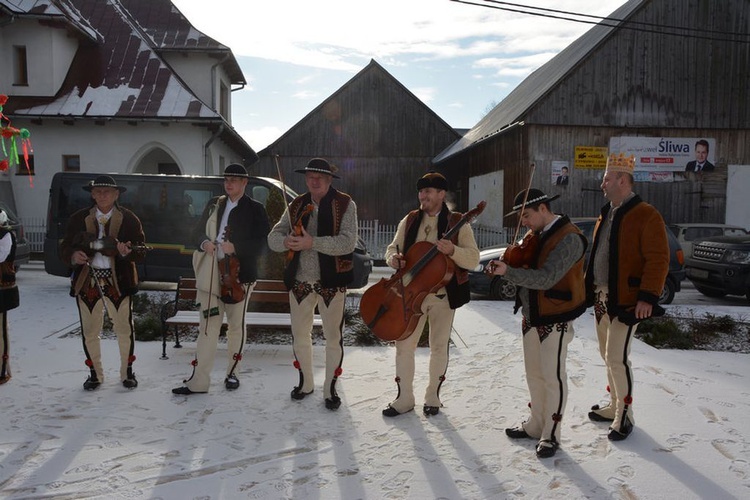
x=538 y=199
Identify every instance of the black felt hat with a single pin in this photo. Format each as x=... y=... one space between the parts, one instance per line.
x=432 y=179
x=318 y=165
x=235 y=170
x=534 y=198
x=103 y=181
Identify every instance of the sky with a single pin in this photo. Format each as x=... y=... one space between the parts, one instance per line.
x=691 y=440
x=459 y=59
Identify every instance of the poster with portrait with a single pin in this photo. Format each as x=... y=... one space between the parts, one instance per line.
x=668 y=154
x=560 y=173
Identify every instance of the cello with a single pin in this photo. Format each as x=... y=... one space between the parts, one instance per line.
x=391 y=308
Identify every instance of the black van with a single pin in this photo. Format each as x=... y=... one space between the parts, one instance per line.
x=168 y=206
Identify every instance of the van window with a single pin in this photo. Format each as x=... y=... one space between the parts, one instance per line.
x=735 y=231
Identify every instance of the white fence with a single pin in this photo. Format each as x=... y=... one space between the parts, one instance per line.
x=376 y=236
x=34 y=228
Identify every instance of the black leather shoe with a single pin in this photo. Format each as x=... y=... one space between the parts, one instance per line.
x=231 y=383
x=517 y=433
x=430 y=410
x=546 y=448
x=623 y=433
x=130 y=383
x=91 y=384
x=184 y=391
x=596 y=417
x=390 y=411
x=298 y=394
x=333 y=403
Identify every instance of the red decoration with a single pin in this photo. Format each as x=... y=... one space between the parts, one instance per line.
x=628 y=399
x=296 y=364
x=4 y=166
x=337 y=372
x=237 y=357
x=89 y=363
x=194 y=362
x=131 y=359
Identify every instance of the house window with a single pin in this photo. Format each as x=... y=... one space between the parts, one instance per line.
x=71 y=163
x=224 y=101
x=20 y=66
x=21 y=168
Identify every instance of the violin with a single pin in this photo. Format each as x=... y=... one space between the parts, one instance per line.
x=297 y=226
x=392 y=307
x=232 y=291
x=522 y=254
x=107 y=246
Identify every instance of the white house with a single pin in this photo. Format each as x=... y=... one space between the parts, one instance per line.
x=114 y=86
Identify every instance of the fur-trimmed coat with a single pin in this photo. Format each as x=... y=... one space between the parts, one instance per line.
x=123 y=225
x=638 y=256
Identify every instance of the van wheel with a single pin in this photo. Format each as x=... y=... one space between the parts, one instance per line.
x=502 y=289
x=667 y=293
x=710 y=292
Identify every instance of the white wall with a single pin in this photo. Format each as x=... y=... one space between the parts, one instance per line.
x=196 y=71
x=49 y=53
x=738 y=185
x=488 y=187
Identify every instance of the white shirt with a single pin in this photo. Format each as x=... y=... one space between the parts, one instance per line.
x=100 y=261
x=6 y=243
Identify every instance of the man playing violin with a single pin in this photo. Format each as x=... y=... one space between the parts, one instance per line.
x=321 y=243
x=551 y=294
x=429 y=223
x=230 y=236
x=102 y=279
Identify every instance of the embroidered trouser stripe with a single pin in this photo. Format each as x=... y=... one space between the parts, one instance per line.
x=4 y=348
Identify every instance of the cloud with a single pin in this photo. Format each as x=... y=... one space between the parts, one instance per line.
x=340 y=34
x=261 y=137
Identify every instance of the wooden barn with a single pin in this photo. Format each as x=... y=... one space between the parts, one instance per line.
x=651 y=80
x=380 y=136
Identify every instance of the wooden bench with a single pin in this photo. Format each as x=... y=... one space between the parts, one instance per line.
x=181 y=311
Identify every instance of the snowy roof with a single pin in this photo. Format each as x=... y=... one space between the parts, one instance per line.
x=122 y=75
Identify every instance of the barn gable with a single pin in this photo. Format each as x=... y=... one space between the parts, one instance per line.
x=378 y=133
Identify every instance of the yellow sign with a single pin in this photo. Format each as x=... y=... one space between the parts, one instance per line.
x=590 y=157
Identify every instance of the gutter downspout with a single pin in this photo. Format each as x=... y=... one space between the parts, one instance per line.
x=208 y=145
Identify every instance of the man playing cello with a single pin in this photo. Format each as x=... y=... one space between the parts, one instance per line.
x=429 y=223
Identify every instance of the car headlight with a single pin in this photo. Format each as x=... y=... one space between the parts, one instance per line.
x=737 y=257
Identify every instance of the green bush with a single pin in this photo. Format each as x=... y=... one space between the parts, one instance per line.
x=664 y=333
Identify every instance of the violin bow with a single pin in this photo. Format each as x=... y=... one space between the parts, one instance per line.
x=283 y=185
x=525 y=199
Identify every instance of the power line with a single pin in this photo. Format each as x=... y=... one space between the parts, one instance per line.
x=611 y=22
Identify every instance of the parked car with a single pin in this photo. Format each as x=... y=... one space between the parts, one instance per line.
x=721 y=266
x=690 y=233
x=499 y=288
x=23 y=249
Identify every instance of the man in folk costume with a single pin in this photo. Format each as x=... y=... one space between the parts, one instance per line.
x=9 y=298
x=551 y=295
x=320 y=229
x=103 y=244
x=624 y=278
x=429 y=223
x=233 y=226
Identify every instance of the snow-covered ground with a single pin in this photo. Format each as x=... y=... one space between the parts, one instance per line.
x=692 y=438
